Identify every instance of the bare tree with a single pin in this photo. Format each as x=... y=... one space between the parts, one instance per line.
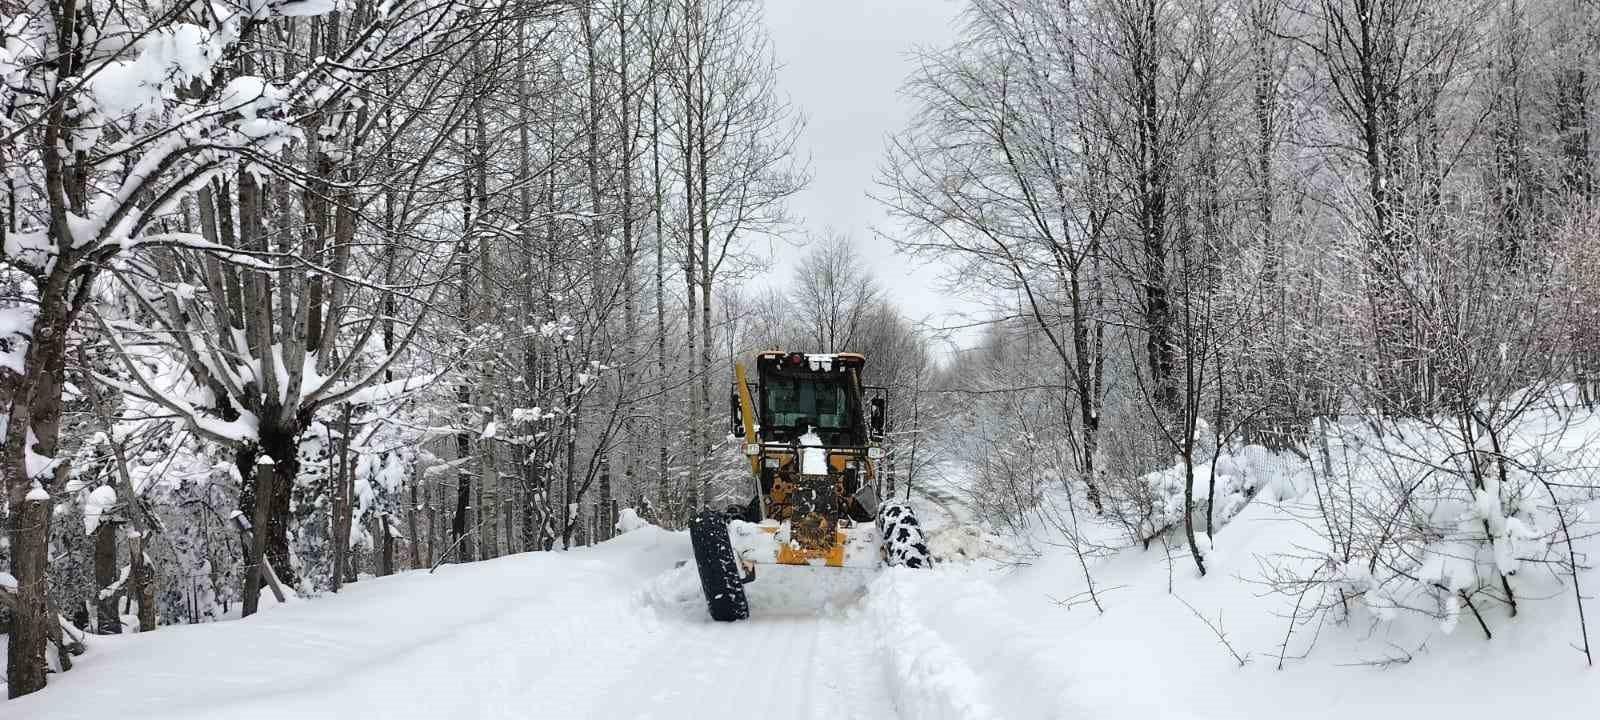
x=831 y=296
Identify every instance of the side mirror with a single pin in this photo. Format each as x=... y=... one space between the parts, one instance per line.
x=736 y=415
x=877 y=416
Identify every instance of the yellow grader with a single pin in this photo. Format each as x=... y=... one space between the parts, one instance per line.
x=813 y=436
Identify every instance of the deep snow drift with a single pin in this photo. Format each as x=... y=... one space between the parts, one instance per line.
x=1149 y=656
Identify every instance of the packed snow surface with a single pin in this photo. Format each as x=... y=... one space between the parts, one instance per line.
x=613 y=631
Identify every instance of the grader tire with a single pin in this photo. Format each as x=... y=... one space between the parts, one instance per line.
x=903 y=542
x=720 y=578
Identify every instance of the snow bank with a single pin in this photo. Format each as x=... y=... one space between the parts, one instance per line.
x=675 y=592
x=1353 y=642
x=954 y=649
x=628 y=520
x=535 y=635
x=1238 y=473
x=967 y=543
x=928 y=678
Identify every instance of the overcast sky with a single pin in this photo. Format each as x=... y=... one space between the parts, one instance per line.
x=844 y=62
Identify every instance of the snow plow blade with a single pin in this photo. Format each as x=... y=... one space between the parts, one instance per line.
x=764 y=544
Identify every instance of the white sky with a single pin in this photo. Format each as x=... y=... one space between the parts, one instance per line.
x=843 y=63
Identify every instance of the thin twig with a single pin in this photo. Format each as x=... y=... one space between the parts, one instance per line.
x=1217 y=630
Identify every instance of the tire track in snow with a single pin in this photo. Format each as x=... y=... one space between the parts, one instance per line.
x=780 y=668
x=929 y=680
x=955 y=652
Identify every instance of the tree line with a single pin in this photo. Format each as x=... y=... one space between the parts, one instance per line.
x=1341 y=229
x=297 y=290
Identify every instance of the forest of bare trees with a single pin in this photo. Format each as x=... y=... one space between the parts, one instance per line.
x=1360 y=232
x=384 y=284
x=300 y=290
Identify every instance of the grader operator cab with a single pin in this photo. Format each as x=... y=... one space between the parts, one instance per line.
x=813 y=436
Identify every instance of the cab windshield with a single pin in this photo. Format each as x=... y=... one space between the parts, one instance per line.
x=795 y=403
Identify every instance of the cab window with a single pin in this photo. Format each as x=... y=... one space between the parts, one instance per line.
x=795 y=403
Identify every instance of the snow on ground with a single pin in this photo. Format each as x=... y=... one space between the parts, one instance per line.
x=619 y=631
x=535 y=635
x=1149 y=656
x=614 y=631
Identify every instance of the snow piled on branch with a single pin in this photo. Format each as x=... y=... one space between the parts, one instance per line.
x=388 y=392
x=96 y=506
x=15 y=325
x=1240 y=473
x=304 y=8
x=167 y=58
x=164 y=385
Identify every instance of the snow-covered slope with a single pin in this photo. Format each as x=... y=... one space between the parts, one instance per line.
x=539 y=634
x=1150 y=656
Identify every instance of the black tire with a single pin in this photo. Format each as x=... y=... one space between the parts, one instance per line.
x=903 y=542
x=720 y=578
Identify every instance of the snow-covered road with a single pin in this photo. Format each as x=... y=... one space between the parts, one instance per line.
x=614 y=631
x=619 y=631
x=782 y=668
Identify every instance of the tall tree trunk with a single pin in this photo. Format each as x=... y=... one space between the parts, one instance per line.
x=108 y=620
x=32 y=400
x=532 y=363
x=551 y=373
x=1153 y=174
x=703 y=429
x=344 y=487
x=597 y=238
x=665 y=513
x=460 y=542
x=630 y=280
x=692 y=340
x=142 y=576
x=488 y=478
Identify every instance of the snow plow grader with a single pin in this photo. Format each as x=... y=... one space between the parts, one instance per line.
x=813 y=436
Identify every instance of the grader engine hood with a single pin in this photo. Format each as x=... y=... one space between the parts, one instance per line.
x=820 y=517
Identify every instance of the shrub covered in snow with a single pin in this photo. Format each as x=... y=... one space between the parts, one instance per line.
x=1421 y=520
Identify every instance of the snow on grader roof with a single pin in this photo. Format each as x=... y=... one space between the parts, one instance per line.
x=814 y=483
x=817 y=362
